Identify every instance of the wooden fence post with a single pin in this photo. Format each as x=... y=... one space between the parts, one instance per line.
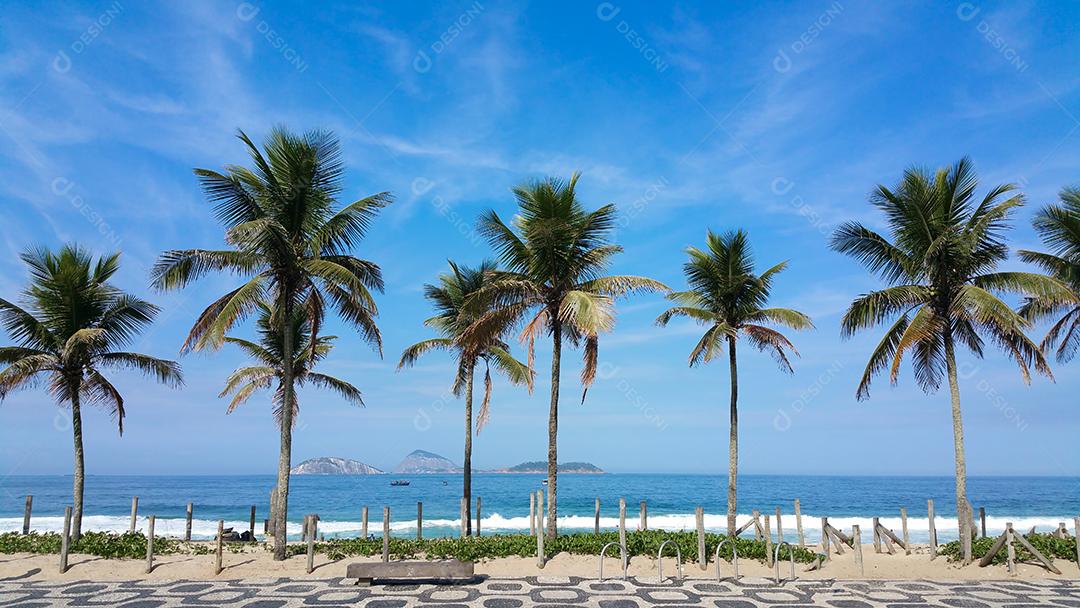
x=798 y=523
x=187 y=523
x=532 y=514
x=596 y=517
x=386 y=534
x=150 y=545
x=856 y=536
x=1076 y=535
x=825 y=538
x=877 y=537
x=1009 y=547
x=478 y=516
x=540 y=557
x=251 y=527
x=217 y=549
x=464 y=503
x=622 y=525
x=756 y=515
x=26 y=514
x=363 y=522
x=703 y=559
x=419 y=520
x=644 y=525
x=312 y=526
x=933 y=528
x=779 y=527
x=134 y=512
x=768 y=543
x=65 y=540
x=903 y=528
x=982 y=520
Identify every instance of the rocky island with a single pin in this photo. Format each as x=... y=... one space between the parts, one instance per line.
x=332 y=465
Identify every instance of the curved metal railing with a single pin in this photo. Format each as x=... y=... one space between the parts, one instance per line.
x=622 y=554
x=776 y=560
x=660 y=560
x=734 y=558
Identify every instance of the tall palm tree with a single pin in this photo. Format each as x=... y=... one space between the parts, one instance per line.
x=940 y=262
x=269 y=368
x=74 y=326
x=555 y=254
x=732 y=301
x=451 y=320
x=1059 y=227
x=291 y=245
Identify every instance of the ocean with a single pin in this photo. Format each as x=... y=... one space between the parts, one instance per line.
x=671 y=499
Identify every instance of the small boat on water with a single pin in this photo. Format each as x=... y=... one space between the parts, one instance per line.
x=399 y=482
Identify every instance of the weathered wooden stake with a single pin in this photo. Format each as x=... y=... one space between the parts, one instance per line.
x=982 y=520
x=1010 y=548
x=596 y=517
x=779 y=527
x=768 y=543
x=904 y=531
x=187 y=523
x=419 y=520
x=311 y=525
x=644 y=525
x=385 y=533
x=877 y=537
x=26 y=514
x=217 y=548
x=532 y=514
x=134 y=511
x=622 y=524
x=933 y=529
x=798 y=523
x=540 y=557
x=251 y=526
x=825 y=538
x=756 y=516
x=703 y=559
x=65 y=541
x=363 y=522
x=856 y=535
x=150 y=545
x=1076 y=535
x=478 y=516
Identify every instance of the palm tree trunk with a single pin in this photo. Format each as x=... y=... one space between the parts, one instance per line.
x=733 y=442
x=553 y=427
x=281 y=513
x=962 y=514
x=467 y=473
x=80 y=468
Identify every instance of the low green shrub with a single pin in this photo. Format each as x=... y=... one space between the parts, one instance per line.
x=1047 y=544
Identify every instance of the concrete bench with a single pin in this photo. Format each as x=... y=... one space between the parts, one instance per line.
x=447 y=570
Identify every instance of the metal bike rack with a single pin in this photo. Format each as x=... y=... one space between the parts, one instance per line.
x=776 y=560
x=734 y=558
x=622 y=554
x=660 y=560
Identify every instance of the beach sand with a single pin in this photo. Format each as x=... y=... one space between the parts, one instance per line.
x=257 y=563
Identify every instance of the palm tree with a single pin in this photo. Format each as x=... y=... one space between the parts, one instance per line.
x=291 y=244
x=451 y=321
x=1059 y=227
x=940 y=264
x=72 y=327
x=269 y=368
x=555 y=255
x=731 y=300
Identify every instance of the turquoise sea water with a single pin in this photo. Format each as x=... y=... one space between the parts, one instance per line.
x=1025 y=501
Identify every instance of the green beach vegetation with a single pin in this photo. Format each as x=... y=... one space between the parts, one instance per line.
x=452 y=320
x=732 y=301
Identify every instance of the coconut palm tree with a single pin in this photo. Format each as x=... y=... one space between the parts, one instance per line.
x=451 y=320
x=554 y=256
x=727 y=296
x=939 y=261
x=1059 y=227
x=72 y=327
x=291 y=245
x=269 y=368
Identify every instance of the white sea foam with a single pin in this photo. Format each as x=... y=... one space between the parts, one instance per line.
x=918 y=527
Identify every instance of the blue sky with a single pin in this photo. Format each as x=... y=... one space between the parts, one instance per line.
x=777 y=118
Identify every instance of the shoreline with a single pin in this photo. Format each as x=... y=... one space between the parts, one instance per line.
x=255 y=562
